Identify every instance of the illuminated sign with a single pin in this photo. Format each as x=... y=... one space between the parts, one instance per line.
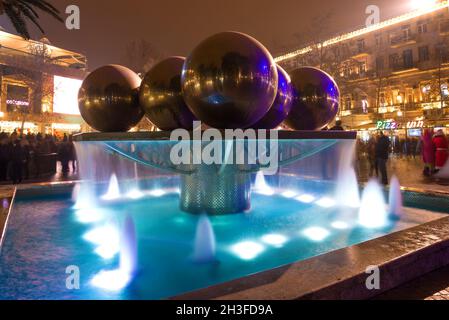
x=387 y=125
x=393 y=125
x=17 y=102
x=65 y=99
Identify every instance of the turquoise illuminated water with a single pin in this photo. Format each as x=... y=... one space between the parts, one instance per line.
x=47 y=235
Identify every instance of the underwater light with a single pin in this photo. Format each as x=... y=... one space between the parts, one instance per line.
x=135 y=194
x=107 y=251
x=326 y=202
x=113 y=280
x=157 y=193
x=316 y=233
x=247 y=250
x=340 y=225
x=88 y=216
x=276 y=240
x=289 y=194
x=105 y=235
x=306 y=198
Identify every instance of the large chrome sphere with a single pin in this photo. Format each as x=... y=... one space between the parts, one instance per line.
x=161 y=97
x=108 y=99
x=315 y=101
x=229 y=81
x=281 y=106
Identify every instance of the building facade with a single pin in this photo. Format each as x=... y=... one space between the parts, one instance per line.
x=39 y=85
x=392 y=76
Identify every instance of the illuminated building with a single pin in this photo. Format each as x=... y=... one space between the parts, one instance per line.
x=394 y=71
x=39 y=86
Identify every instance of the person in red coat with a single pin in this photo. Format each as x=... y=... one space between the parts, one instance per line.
x=441 y=149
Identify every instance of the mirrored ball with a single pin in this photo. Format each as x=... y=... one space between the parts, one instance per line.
x=108 y=99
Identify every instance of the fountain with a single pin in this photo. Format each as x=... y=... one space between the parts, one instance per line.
x=396 y=209
x=204 y=241
x=113 y=192
x=373 y=209
x=261 y=186
x=128 y=247
x=348 y=194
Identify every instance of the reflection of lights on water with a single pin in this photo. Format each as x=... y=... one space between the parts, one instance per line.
x=107 y=239
x=289 y=194
x=135 y=194
x=157 y=193
x=247 y=250
x=107 y=251
x=113 y=280
x=340 y=225
x=316 y=233
x=88 y=216
x=306 y=198
x=326 y=202
x=276 y=240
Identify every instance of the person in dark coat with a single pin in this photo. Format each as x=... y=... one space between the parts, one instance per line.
x=64 y=153
x=338 y=126
x=382 y=154
x=17 y=159
x=4 y=157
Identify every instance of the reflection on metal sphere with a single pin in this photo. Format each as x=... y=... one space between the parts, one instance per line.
x=161 y=97
x=315 y=101
x=229 y=81
x=108 y=99
x=281 y=106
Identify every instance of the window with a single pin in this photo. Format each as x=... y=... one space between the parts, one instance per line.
x=394 y=60
x=407 y=56
x=378 y=40
x=360 y=45
x=348 y=103
x=423 y=53
x=406 y=33
x=380 y=63
x=422 y=27
x=362 y=67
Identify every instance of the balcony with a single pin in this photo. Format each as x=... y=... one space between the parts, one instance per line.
x=402 y=40
x=404 y=67
x=361 y=52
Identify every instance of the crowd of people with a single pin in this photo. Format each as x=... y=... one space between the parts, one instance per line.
x=432 y=147
x=19 y=155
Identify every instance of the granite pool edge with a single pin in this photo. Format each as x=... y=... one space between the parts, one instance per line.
x=342 y=274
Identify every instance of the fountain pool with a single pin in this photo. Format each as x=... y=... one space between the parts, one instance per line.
x=149 y=247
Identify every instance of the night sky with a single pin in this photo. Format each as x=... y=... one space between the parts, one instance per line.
x=176 y=26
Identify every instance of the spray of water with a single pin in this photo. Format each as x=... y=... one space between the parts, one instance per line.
x=373 y=208
x=396 y=208
x=204 y=241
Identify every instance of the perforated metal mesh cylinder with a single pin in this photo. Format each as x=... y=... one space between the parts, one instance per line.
x=215 y=190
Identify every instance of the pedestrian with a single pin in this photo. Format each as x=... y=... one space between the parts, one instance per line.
x=428 y=152
x=17 y=159
x=64 y=153
x=72 y=154
x=382 y=154
x=338 y=126
x=4 y=157
x=371 y=152
x=441 y=149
